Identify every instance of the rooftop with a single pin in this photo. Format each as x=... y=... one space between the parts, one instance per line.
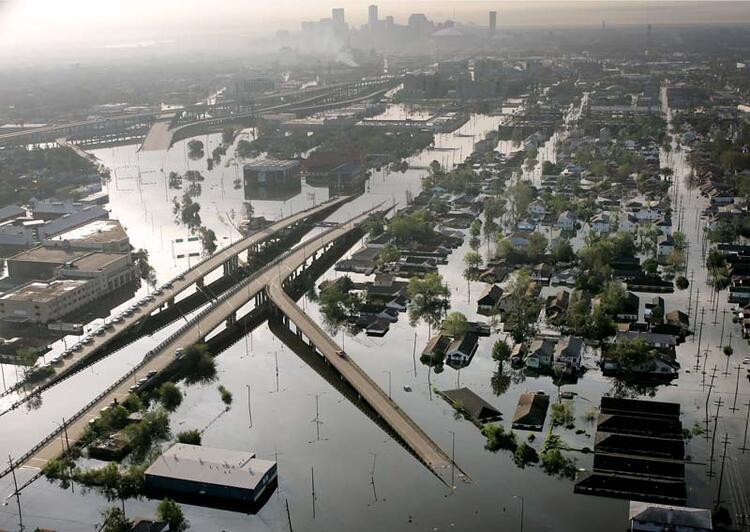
x=97 y=231
x=674 y=516
x=270 y=164
x=42 y=292
x=51 y=255
x=96 y=261
x=223 y=467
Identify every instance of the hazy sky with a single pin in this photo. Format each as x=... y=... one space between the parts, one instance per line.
x=29 y=27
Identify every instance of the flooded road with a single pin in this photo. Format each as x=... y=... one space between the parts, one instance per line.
x=363 y=479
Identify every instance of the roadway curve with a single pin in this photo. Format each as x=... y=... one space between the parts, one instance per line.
x=180 y=284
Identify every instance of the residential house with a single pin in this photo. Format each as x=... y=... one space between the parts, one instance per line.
x=568 y=354
x=488 y=303
x=678 y=318
x=630 y=310
x=647 y=215
x=567 y=221
x=519 y=239
x=665 y=227
x=657 y=341
x=627 y=223
x=540 y=353
x=537 y=209
x=601 y=223
x=652 y=517
x=461 y=350
x=470 y=404
x=655 y=303
x=541 y=273
x=665 y=247
x=434 y=352
x=557 y=305
x=531 y=411
x=526 y=226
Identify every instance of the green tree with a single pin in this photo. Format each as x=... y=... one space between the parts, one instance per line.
x=198 y=364
x=537 y=246
x=208 y=240
x=428 y=299
x=455 y=324
x=227 y=135
x=563 y=252
x=115 y=520
x=388 y=255
x=145 y=271
x=170 y=396
x=524 y=307
x=501 y=351
x=170 y=512
x=521 y=195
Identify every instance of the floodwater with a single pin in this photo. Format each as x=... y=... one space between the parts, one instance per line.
x=363 y=479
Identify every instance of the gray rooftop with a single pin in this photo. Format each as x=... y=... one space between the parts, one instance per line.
x=673 y=516
x=222 y=467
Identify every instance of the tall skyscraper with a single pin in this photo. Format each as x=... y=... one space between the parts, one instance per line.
x=493 y=22
x=372 y=16
x=337 y=14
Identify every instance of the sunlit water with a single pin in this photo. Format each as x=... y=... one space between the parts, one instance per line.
x=401 y=494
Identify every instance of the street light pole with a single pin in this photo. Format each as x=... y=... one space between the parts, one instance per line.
x=522 y=504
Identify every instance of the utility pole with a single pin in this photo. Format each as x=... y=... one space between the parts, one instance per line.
x=289 y=516
x=708 y=396
x=65 y=431
x=723 y=319
x=276 y=358
x=249 y=407
x=453 y=460
x=713 y=439
x=18 y=496
x=700 y=338
x=413 y=355
x=736 y=389
x=312 y=477
x=744 y=438
x=721 y=471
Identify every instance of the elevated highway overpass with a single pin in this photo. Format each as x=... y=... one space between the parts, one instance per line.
x=267 y=289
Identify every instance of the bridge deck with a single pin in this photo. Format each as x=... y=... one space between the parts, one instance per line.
x=430 y=453
x=269 y=279
x=159 y=137
x=189 y=278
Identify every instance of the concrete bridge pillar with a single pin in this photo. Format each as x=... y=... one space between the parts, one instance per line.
x=231 y=319
x=170 y=302
x=200 y=282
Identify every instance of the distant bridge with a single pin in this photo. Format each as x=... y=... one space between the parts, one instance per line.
x=130 y=126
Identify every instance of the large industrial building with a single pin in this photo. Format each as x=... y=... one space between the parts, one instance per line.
x=272 y=173
x=218 y=474
x=98 y=235
x=45 y=302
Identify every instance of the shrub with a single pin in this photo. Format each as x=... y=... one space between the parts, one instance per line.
x=226 y=395
x=170 y=511
x=190 y=437
x=562 y=415
x=525 y=454
x=170 y=396
x=498 y=439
